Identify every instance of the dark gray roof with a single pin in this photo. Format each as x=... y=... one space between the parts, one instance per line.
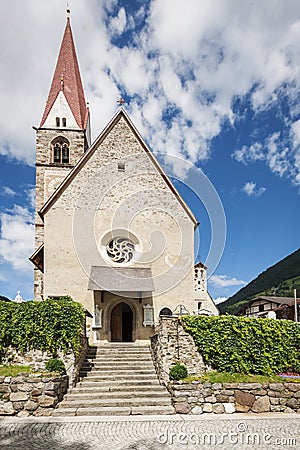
x=120 y=279
x=278 y=300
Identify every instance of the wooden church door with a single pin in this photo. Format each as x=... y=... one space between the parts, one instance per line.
x=121 y=323
x=116 y=323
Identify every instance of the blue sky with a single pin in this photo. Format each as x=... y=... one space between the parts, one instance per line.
x=216 y=84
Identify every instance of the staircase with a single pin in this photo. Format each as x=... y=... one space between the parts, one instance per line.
x=117 y=379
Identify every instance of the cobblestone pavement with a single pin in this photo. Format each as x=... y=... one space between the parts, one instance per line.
x=252 y=432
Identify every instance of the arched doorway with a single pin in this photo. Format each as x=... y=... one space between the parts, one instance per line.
x=121 y=323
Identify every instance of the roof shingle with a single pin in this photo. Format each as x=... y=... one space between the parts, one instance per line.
x=67 y=78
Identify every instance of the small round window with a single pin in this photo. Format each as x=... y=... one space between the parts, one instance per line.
x=120 y=250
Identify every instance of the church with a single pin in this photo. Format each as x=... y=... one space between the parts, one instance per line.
x=111 y=230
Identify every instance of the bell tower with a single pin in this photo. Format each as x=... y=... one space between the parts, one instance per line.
x=61 y=139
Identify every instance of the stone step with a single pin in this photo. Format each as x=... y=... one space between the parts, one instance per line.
x=120 y=377
x=106 y=402
x=118 y=349
x=120 y=352
x=113 y=411
x=82 y=389
x=88 y=382
x=64 y=412
x=118 y=356
x=118 y=360
x=120 y=346
x=81 y=396
x=112 y=351
x=125 y=372
x=118 y=366
x=152 y=410
x=110 y=359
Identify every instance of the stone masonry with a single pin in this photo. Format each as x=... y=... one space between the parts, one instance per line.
x=100 y=199
x=172 y=344
x=28 y=395
x=36 y=359
x=197 y=397
x=44 y=168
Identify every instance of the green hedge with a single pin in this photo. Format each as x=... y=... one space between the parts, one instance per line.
x=246 y=345
x=47 y=325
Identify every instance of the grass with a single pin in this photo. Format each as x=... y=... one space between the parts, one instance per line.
x=226 y=377
x=7 y=370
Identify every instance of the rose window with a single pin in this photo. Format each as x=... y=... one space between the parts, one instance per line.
x=120 y=250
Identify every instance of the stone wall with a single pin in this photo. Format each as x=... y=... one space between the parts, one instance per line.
x=28 y=395
x=171 y=344
x=36 y=359
x=198 y=397
x=44 y=173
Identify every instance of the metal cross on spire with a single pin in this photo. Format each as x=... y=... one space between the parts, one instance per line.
x=68 y=10
x=121 y=101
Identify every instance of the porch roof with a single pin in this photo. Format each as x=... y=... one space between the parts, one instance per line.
x=120 y=279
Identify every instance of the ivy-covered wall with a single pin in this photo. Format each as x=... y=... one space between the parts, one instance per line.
x=246 y=345
x=50 y=325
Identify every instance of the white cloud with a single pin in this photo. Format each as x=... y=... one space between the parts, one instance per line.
x=252 y=190
x=295 y=131
x=225 y=281
x=220 y=300
x=248 y=154
x=118 y=23
x=17 y=238
x=8 y=191
x=281 y=152
x=295 y=135
x=30 y=196
x=183 y=70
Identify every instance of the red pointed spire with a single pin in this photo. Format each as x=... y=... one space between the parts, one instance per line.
x=67 y=78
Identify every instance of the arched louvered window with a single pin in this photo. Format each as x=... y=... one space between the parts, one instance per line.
x=165 y=312
x=61 y=151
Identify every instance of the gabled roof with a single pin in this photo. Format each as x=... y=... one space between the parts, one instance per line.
x=72 y=174
x=67 y=78
x=278 y=300
x=38 y=258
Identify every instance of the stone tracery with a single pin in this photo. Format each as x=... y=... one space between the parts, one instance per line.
x=120 y=250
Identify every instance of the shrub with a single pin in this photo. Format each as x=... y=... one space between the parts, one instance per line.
x=178 y=372
x=244 y=344
x=55 y=365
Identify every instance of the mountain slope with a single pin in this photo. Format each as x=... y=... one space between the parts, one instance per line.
x=279 y=280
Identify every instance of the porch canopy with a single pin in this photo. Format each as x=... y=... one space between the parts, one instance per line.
x=120 y=279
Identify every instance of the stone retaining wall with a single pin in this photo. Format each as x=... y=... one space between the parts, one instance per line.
x=28 y=395
x=198 y=397
x=36 y=359
x=172 y=344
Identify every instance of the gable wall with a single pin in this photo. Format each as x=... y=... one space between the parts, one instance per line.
x=99 y=199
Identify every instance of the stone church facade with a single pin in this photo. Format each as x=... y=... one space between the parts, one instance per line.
x=112 y=231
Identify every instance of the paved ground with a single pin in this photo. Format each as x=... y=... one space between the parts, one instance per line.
x=239 y=431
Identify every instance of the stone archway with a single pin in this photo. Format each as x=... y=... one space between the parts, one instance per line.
x=121 y=323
